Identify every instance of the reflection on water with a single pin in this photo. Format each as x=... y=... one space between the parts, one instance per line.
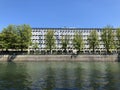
x=60 y=76
x=13 y=77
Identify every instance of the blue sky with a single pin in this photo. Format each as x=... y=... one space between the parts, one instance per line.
x=60 y=13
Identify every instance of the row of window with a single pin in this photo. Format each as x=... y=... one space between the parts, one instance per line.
x=64 y=31
x=83 y=35
x=71 y=48
x=61 y=39
x=59 y=43
x=86 y=32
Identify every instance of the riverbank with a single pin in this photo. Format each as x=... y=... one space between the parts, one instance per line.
x=83 y=58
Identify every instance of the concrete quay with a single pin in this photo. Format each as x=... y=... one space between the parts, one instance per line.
x=82 y=58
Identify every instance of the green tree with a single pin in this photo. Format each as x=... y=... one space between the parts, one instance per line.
x=65 y=42
x=78 y=41
x=118 y=38
x=107 y=37
x=16 y=37
x=35 y=46
x=24 y=36
x=9 y=37
x=50 y=40
x=93 y=40
x=1 y=42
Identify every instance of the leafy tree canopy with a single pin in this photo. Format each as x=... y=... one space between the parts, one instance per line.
x=16 y=37
x=93 y=40
x=50 y=40
x=107 y=37
x=78 y=41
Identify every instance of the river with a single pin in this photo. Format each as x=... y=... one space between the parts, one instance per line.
x=59 y=76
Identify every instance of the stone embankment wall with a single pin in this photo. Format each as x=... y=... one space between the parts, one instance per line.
x=106 y=58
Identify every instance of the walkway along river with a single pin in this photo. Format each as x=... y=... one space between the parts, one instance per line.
x=106 y=58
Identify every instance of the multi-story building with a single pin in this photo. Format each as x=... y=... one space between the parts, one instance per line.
x=38 y=35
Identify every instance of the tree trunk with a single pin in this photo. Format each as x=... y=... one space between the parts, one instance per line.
x=6 y=50
x=50 y=50
x=108 y=52
x=78 y=51
x=21 y=49
x=93 y=49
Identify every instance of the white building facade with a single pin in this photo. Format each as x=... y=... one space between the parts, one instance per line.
x=38 y=35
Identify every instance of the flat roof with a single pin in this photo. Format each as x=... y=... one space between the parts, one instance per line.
x=71 y=28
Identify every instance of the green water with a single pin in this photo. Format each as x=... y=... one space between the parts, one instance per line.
x=60 y=76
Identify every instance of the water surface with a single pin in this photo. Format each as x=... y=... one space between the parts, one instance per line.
x=60 y=76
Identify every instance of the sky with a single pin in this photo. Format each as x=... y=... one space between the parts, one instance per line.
x=60 y=13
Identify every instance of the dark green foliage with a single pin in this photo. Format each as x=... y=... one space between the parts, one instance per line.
x=24 y=35
x=107 y=37
x=50 y=40
x=65 y=42
x=118 y=38
x=35 y=45
x=78 y=41
x=93 y=40
x=15 y=37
